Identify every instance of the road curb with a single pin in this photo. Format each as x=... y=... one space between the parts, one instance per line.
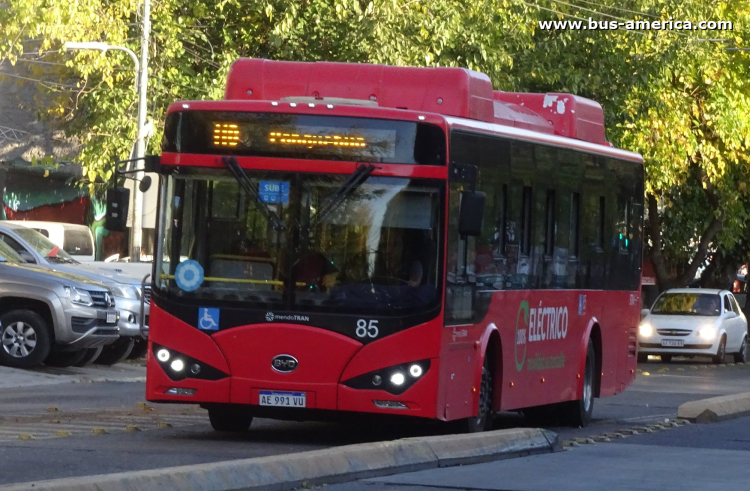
x=339 y=464
x=716 y=408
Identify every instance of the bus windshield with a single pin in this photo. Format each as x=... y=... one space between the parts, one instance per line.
x=374 y=250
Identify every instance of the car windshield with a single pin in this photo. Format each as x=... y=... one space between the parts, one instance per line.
x=375 y=249
x=688 y=304
x=8 y=255
x=44 y=246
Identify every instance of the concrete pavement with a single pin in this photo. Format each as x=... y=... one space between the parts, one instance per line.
x=696 y=457
x=122 y=372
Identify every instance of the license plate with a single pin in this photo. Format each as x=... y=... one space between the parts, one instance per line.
x=282 y=399
x=672 y=343
x=111 y=317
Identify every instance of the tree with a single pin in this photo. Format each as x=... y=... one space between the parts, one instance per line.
x=681 y=102
x=193 y=45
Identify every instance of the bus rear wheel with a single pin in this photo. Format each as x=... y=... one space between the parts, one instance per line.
x=229 y=419
x=579 y=412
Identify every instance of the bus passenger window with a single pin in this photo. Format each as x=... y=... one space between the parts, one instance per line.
x=600 y=224
x=526 y=221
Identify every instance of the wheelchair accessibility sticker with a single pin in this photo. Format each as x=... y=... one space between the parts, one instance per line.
x=189 y=275
x=208 y=319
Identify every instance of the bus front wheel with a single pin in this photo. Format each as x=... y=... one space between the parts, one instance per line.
x=229 y=419
x=579 y=412
x=483 y=420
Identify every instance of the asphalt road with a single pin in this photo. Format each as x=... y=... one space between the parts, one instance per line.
x=96 y=428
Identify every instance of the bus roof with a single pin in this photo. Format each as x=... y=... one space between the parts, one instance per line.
x=456 y=92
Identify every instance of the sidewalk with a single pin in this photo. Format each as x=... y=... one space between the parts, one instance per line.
x=122 y=372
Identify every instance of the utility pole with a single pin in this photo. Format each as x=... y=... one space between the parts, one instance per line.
x=136 y=230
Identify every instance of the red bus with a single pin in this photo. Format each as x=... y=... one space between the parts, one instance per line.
x=348 y=238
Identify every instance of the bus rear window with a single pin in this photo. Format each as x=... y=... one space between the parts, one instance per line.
x=78 y=243
x=304 y=137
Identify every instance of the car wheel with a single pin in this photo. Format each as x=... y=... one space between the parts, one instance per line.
x=229 y=419
x=140 y=348
x=90 y=357
x=25 y=338
x=741 y=355
x=116 y=352
x=666 y=358
x=578 y=413
x=720 y=352
x=642 y=358
x=64 y=359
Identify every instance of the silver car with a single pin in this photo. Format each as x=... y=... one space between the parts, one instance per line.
x=37 y=249
x=44 y=311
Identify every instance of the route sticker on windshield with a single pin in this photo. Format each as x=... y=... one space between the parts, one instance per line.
x=274 y=192
x=189 y=275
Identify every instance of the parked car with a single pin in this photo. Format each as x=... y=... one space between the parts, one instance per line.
x=35 y=248
x=76 y=240
x=694 y=322
x=47 y=314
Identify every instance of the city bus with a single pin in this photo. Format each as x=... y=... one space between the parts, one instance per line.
x=346 y=239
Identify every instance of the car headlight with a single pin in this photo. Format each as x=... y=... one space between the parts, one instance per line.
x=78 y=296
x=707 y=332
x=126 y=291
x=645 y=330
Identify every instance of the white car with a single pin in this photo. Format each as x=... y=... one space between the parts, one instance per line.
x=689 y=322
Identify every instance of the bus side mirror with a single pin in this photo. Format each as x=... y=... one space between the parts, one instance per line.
x=118 y=201
x=471 y=216
x=145 y=184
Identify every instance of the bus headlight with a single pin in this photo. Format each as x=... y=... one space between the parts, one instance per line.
x=645 y=330
x=707 y=332
x=398 y=379
x=162 y=355
x=394 y=379
x=180 y=367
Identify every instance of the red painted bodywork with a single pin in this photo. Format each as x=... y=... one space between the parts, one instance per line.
x=449 y=389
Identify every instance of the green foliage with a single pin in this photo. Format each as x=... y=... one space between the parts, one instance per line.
x=682 y=102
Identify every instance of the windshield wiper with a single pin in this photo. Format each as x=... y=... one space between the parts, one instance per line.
x=355 y=180
x=251 y=189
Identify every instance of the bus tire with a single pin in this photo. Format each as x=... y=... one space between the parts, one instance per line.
x=229 y=419
x=578 y=413
x=483 y=420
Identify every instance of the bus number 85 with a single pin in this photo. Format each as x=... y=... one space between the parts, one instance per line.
x=365 y=328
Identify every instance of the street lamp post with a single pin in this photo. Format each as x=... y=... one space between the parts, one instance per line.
x=141 y=83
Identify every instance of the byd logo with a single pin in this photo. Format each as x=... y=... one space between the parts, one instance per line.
x=284 y=363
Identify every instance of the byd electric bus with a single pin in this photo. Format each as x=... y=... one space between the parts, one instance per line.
x=359 y=238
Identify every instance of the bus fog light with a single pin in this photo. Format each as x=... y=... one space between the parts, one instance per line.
x=162 y=355
x=398 y=378
x=195 y=369
x=179 y=391
x=377 y=380
x=415 y=371
x=177 y=365
x=390 y=404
